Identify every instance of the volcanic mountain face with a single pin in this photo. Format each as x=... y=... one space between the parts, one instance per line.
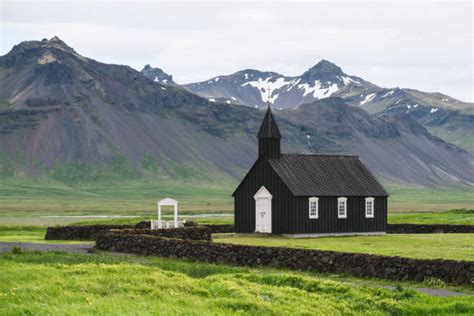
x=58 y=108
x=446 y=117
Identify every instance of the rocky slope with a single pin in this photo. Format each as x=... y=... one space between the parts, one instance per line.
x=63 y=113
x=396 y=145
x=158 y=75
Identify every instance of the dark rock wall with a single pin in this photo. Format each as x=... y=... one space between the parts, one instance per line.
x=394 y=268
x=428 y=229
x=222 y=228
x=87 y=232
x=91 y=232
x=190 y=233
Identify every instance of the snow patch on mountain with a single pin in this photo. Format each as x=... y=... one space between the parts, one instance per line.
x=267 y=87
x=348 y=80
x=388 y=94
x=368 y=98
x=317 y=90
x=293 y=83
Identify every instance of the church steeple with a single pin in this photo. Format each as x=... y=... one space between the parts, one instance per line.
x=269 y=137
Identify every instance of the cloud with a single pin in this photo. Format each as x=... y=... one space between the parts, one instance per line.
x=423 y=45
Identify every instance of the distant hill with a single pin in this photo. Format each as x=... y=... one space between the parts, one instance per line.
x=446 y=117
x=70 y=117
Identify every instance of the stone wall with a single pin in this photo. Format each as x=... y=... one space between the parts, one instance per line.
x=91 y=232
x=221 y=228
x=86 y=232
x=190 y=233
x=394 y=268
x=428 y=229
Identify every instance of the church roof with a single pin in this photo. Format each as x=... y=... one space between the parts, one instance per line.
x=326 y=175
x=269 y=128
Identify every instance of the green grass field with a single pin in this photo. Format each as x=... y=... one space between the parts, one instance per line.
x=424 y=246
x=453 y=217
x=64 y=284
x=24 y=201
x=30 y=234
x=27 y=198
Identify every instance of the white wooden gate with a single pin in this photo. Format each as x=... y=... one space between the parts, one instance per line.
x=263 y=211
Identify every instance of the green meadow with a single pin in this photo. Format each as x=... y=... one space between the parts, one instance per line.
x=422 y=246
x=29 y=198
x=453 y=217
x=54 y=283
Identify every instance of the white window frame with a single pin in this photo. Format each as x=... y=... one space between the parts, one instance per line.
x=311 y=200
x=372 y=201
x=339 y=200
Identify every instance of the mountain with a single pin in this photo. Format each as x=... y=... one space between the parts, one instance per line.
x=396 y=145
x=446 y=117
x=66 y=114
x=158 y=75
x=70 y=117
x=255 y=88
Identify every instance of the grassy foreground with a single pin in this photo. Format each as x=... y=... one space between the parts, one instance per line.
x=57 y=283
x=423 y=246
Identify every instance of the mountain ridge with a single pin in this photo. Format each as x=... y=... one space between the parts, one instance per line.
x=326 y=79
x=60 y=109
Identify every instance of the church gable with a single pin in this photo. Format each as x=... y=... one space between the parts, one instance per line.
x=261 y=170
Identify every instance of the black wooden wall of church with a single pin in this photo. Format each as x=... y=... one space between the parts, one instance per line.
x=290 y=214
x=328 y=222
x=262 y=174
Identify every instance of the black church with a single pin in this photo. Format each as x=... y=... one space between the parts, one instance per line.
x=307 y=194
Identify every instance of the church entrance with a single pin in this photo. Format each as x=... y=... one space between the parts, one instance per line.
x=263 y=211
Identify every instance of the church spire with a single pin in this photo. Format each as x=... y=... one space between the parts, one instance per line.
x=269 y=137
x=269 y=128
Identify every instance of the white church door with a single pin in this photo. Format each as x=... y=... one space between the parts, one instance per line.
x=263 y=211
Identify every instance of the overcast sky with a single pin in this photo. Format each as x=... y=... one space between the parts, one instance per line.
x=424 y=45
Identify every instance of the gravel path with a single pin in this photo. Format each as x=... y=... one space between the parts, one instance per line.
x=433 y=292
x=72 y=248
x=441 y=292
